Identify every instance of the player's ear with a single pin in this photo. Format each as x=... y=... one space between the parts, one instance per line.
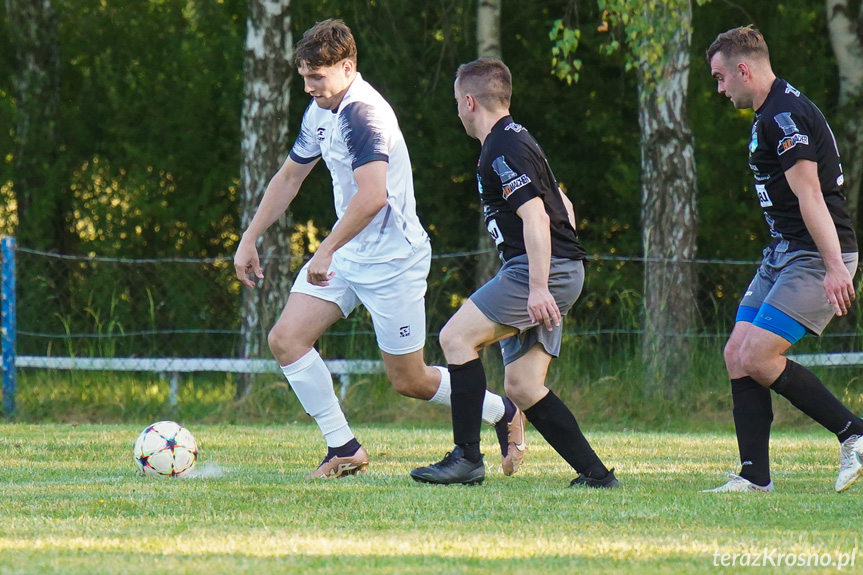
x=348 y=66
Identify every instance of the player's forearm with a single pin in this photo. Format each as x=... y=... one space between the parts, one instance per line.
x=537 y=243
x=820 y=225
x=277 y=198
x=803 y=180
x=361 y=210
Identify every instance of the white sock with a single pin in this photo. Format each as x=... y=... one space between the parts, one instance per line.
x=492 y=406
x=311 y=381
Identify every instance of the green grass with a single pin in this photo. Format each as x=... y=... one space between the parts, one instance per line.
x=72 y=503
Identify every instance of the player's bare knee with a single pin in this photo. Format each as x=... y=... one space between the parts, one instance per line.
x=751 y=360
x=516 y=394
x=399 y=380
x=451 y=341
x=285 y=349
x=411 y=383
x=732 y=356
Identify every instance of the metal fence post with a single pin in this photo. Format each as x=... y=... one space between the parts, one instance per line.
x=8 y=322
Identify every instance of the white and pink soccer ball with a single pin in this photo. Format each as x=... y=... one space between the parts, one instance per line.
x=165 y=448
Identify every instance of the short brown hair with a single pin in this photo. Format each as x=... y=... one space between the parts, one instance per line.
x=488 y=80
x=325 y=44
x=744 y=41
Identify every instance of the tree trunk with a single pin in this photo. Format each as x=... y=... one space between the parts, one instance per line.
x=488 y=46
x=267 y=69
x=669 y=214
x=38 y=162
x=846 y=31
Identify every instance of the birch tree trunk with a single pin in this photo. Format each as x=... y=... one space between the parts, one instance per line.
x=267 y=70
x=38 y=165
x=669 y=211
x=846 y=31
x=488 y=46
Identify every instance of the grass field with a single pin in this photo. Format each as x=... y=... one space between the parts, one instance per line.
x=72 y=503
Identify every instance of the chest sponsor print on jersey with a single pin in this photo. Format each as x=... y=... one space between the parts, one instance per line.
x=786 y=144
x=753 y=142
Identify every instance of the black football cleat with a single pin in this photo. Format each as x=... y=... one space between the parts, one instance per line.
x=609 y=482
x=453 y=468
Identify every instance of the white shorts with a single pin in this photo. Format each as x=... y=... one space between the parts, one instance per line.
x=393 y=292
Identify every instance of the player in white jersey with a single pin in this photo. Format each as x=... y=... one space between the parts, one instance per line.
x=377 y=254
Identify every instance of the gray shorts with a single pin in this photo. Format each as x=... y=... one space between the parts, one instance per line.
x=503 y=300
x=792 y=282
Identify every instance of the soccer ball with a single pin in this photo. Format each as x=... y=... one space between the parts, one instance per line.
x=165 y=448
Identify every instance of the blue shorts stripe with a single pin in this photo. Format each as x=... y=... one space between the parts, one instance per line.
x=780 y=323
x=746 y=313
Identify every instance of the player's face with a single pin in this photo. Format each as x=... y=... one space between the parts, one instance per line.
x=463 y=110
x=328 y=84
x=731 y=81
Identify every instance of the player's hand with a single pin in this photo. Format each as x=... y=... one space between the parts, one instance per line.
x=246 y=262
x=543 y=309
x=318 y=269
x=840 y=289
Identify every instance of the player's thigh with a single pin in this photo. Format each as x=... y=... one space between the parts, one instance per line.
x=468 y=331
x=338 y=292
x=311 y=309
x=798 y=291
x=503 y=299
x=394 y=294
x=305 y=318
x=760 y=345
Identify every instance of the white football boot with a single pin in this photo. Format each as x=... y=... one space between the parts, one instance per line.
x=737 y=484
x=850 y=462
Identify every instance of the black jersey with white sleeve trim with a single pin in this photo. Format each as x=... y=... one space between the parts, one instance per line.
x=788 y=127
x=512 y=170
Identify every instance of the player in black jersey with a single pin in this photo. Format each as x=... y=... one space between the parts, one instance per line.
x=533 y=225
x=806 y=274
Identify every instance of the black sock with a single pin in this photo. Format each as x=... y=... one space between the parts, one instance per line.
x=345 y=450
x=468 y=393
x=556 y=423
x=753 y=414
x=806 y=392
x=509 y=410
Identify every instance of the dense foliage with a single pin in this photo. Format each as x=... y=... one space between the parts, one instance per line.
x=151 y=96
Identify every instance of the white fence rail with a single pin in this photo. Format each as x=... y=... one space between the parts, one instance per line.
x=342 y=369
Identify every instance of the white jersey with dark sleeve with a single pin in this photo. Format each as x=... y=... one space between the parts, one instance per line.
x=364 y=129
x=512 y=170
x=788 y=127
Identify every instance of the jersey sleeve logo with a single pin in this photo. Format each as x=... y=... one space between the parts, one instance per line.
x=503 y=171
x=786 y=123
x=511 y=181
x=513 y=185
x=786 y=144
